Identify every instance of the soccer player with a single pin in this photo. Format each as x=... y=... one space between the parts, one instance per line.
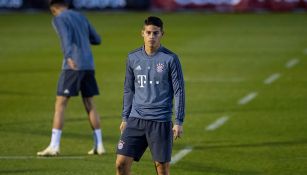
x=76 y=35
x=153 y=78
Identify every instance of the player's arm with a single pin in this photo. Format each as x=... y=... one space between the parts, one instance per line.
x=94 y=37
x=129 y=91
x=179 y=95
x=65 y=36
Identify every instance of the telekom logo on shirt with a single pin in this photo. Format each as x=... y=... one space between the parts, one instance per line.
x=142 y=81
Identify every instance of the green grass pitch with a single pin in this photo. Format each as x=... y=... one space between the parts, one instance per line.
x=224 y=58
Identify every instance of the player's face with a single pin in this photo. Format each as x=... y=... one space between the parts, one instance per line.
x=57 y=9
x=152 y=35
x=53 y=10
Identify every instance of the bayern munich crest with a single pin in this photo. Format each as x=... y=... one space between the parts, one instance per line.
x=160 y=67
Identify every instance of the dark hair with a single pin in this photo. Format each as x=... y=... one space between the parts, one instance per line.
x=153 y=20
x=60 y=2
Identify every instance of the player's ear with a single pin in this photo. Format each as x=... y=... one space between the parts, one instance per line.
x=142 y=33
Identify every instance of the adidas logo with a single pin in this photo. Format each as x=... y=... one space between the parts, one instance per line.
x=66 y=91
x=138 y=68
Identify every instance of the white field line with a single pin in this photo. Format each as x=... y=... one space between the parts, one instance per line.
x=249 y=97
x=180 y=155
x=291 y=63
x=38 y=157
x=272 y=78
x=219 y=122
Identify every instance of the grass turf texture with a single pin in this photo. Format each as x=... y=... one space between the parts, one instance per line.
x=224 y=57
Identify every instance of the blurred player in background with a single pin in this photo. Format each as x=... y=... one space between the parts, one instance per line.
x=77 y=35
x=153 y=79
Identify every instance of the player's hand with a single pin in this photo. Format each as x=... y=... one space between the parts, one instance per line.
x=72 y=64
x=177 y=130
x=122 y=127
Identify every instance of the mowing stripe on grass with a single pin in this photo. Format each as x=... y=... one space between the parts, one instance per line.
x=291 y=63
x=305 y=51
x=294 y=158
x=37 y=157
x=219 y=122
x=249 y=97
x=180 y=155
x=214 y=80
x=272 y=78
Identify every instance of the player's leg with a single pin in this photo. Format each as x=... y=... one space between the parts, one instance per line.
x=93 y=115
x=123 y=164
x=58 y=121
x=89 y=89
x=67 y=87
x=160 y=144
x=162 y=168
x=94 y=120
x=131 y=146
x=60 y=106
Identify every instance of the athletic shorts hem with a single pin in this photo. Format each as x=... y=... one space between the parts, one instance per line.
x=71 y=83
x=128 y=155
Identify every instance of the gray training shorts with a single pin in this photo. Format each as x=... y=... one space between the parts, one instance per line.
x=140 y=134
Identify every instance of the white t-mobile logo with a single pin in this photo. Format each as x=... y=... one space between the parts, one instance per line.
x=141 y=80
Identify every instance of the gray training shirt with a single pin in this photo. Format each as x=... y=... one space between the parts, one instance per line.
x=151 y=83
x=77 y=35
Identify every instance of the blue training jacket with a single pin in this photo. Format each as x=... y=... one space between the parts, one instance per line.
x=151 y=83
x=77 y=35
